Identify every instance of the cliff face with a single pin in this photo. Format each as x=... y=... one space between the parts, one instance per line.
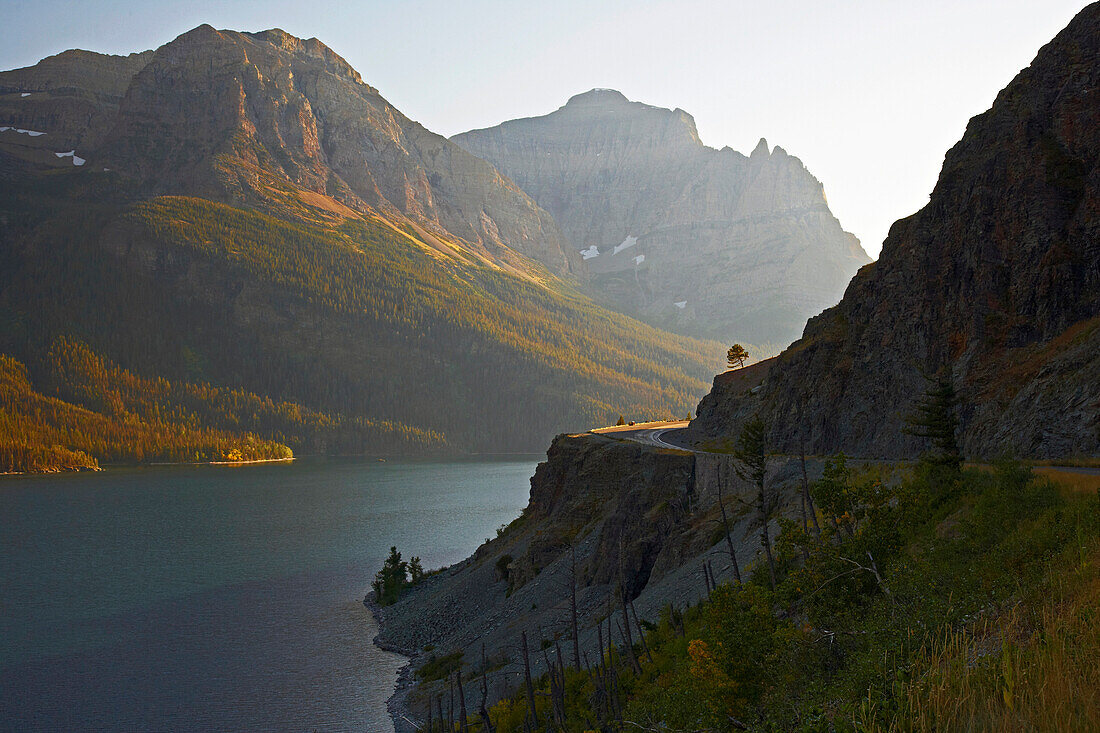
x=996 y=282
x=699 y=240
x=614 y=510
x=73 y=95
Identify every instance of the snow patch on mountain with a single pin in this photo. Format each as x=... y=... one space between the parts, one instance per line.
x=628 y=242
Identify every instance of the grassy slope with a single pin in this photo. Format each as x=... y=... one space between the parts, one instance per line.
x=983 y=617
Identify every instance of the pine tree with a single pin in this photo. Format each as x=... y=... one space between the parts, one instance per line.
x=391 y=579
x=934 y=418
x=736 y=356
x=751 y=464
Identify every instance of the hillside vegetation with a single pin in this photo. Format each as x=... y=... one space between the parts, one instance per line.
x=114 y=417
x=934 y=601
x=341 y=316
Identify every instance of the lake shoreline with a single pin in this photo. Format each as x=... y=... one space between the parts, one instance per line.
x=257 y=598
x=397 y=702
x=417 y=457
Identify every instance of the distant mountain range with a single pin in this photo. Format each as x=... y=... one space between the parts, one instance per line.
x=696 y=240
x=994 y=286
x=241 y=211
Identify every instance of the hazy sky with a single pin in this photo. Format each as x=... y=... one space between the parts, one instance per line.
x=870 y=94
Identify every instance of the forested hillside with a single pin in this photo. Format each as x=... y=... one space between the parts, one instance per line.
x=114 y=417
x=344 y=316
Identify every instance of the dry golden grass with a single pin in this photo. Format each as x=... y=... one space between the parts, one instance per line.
x=1019 y=672
x=1077 y=461
x=1072 y=483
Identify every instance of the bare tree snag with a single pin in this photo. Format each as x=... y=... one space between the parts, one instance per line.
x=461 y=702
x=726 y=527
x=527 y=679
x=573 y=608
x=641 y=632
x=483 y=711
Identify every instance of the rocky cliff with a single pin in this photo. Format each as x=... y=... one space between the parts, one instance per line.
x=994 y=283
x=605 y=511
x=703 y=241
x=73 y=95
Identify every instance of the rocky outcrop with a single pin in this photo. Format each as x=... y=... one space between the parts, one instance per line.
x=72 y=96
x=995 y=283
x=617 y=511
x=703 y=241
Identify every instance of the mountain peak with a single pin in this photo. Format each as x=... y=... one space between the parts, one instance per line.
x=598 y=96
x=761 y=149
x=620 y=174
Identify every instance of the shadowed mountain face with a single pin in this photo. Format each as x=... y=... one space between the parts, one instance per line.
x=695 y=239
x=241 y=210
x=995 y=283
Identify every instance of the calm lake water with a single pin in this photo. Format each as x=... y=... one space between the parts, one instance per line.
x=214 y=598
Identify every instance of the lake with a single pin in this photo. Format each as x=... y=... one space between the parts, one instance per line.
x=222 y=598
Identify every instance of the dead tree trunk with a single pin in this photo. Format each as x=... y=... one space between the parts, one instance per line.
x=726 y=527
x=451 y=705
x=483 y=711
x=641 y=633
x=461 y=703
x=599 y=637
x=573 y=609
x=561 y=684
x=765 y=534
x=527 y=679
x=552 y=678
x=597 y=685
x=628 y=638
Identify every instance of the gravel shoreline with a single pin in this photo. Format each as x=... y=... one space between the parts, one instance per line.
x=396 y=704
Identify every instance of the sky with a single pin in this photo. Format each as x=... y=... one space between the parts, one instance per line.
x=869 y=94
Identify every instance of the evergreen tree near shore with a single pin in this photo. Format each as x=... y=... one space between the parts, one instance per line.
x=391 y=579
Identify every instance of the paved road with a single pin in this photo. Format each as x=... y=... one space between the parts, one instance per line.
x=658 y=434
x=663 y=435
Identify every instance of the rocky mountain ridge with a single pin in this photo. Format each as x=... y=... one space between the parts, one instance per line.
x=266 y=119
x=995 y=284
x=703 y=241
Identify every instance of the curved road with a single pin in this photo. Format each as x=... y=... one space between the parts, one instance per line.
x=657 y=434
x=662 y=434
